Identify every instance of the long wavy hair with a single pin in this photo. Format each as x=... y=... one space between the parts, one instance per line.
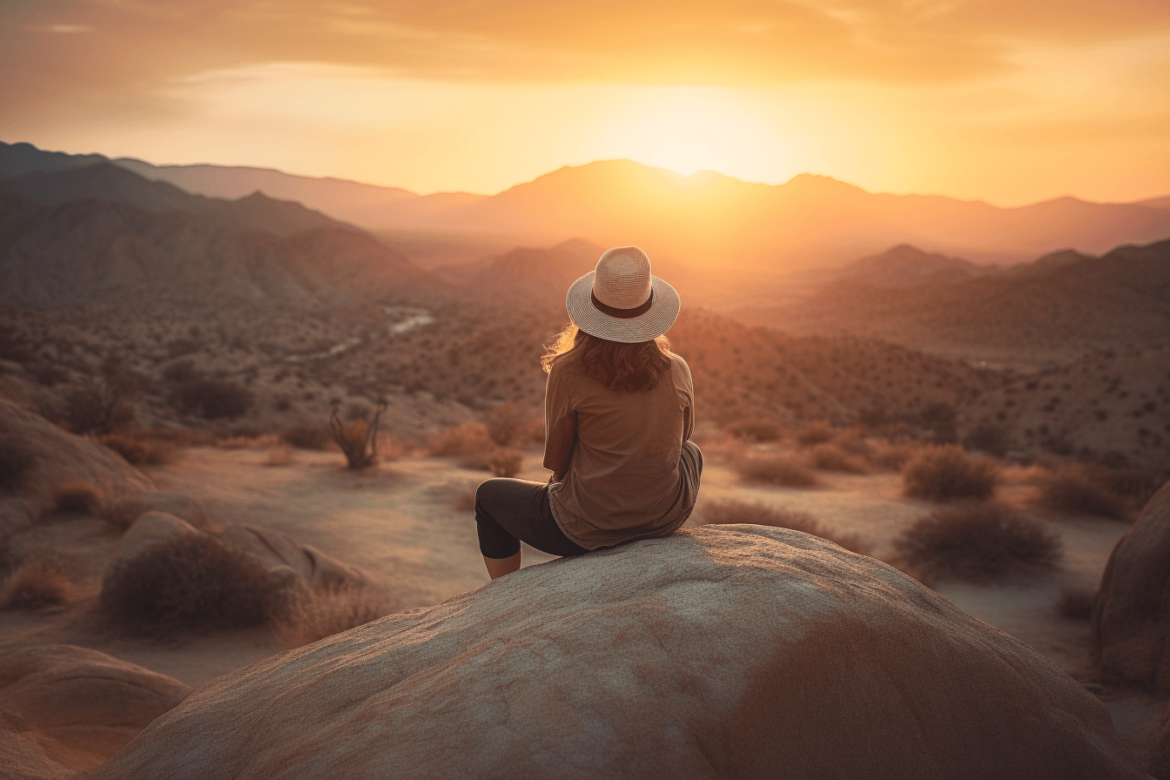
x=626 y=367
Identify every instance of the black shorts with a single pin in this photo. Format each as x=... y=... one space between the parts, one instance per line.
x=510 y=511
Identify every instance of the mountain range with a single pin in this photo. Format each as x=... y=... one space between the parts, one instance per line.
x=706 y=220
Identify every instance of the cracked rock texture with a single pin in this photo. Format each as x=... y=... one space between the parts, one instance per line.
x=738 y=651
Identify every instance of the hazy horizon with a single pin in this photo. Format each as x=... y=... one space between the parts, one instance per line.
x=1009 y=104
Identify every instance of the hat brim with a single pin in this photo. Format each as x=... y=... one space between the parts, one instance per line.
x=662 y=314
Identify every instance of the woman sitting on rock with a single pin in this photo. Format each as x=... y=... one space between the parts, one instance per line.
x=619 y=413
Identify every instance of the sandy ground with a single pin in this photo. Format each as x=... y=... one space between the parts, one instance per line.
x=401 y=524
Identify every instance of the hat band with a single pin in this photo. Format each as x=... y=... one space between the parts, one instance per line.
x=624 y=314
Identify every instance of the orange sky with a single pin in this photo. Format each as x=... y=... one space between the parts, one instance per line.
x=1009 y=101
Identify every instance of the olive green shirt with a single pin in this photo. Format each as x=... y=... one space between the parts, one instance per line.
x=620 y=467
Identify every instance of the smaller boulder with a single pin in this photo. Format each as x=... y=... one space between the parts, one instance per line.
x=179 y=505
x=279 y=552
x=150 y=529
x=22 y=752
x=82 y=706
x=1131 y=617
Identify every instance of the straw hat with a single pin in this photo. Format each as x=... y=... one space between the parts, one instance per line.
x=620 y=301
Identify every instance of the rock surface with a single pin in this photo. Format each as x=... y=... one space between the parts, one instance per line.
x=150 y=529
x=71 y=708
x=179 y=505
x=738 y=651
x=58 y=457
x=1131 y=618
x=278 y=551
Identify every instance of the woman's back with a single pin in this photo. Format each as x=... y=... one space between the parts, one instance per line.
x=629 y=473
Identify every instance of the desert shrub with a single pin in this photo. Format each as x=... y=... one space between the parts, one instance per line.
x=1132 y=485
x=331 y=609
x=466 y=439
x=308 y=437
x=189 y=584
x=977 y=542
x=139 y=451
x=16 y=461
x=99 y=405
x=945 y=473
x=505 y=463
x=505 y=423
x=816 y=432
x=774 y=470
x=1079 y=490
x=830 y=457
x=78 y=498
x=214 y=399
x=1076 y=603
x=728 y=511
x=755 y=430
x=40 y=580
x=358 y=438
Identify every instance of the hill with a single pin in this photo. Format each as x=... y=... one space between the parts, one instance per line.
x=706 y=220
x=907 y=266
x=1064 y=304
x=85 y=250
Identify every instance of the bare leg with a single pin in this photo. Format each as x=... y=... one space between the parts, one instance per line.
x=498 y=567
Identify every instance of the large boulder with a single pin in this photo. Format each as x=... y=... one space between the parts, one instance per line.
x=1131 y=618
x=279 y=552
x=58 y=457
x=71 y=708
x=738 y=651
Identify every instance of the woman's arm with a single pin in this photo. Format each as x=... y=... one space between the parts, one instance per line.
x=560 y=424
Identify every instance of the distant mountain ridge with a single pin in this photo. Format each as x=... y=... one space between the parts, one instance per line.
x=81 y=234
x=907 y=266
x=704 y=220
x=1065 y=301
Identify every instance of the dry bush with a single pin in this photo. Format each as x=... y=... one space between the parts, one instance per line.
x=247 y=441
x=505 y=463
x=308 y=437
x=830 y=457
x=78 y=498
x=774 y=470
x=470 y=438
x=505 y=423
x=945 y=473
x=816 y=432
x=100 y=405
x=755 y=430
x=1076 y=603
x=281 y=455
x=40 y=580
x=357 y=438
x=992 y=439
x=324 y=611
x=139 y=451
x=16 y=461
x=977 y=542
x=1079 y=490
x=177 y=437
x=729 y=511
x=190 y=584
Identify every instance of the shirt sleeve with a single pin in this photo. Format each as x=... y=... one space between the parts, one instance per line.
x=689 y=412
x=560 y=421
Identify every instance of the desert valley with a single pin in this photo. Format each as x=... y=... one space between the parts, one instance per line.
x=928 y=424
